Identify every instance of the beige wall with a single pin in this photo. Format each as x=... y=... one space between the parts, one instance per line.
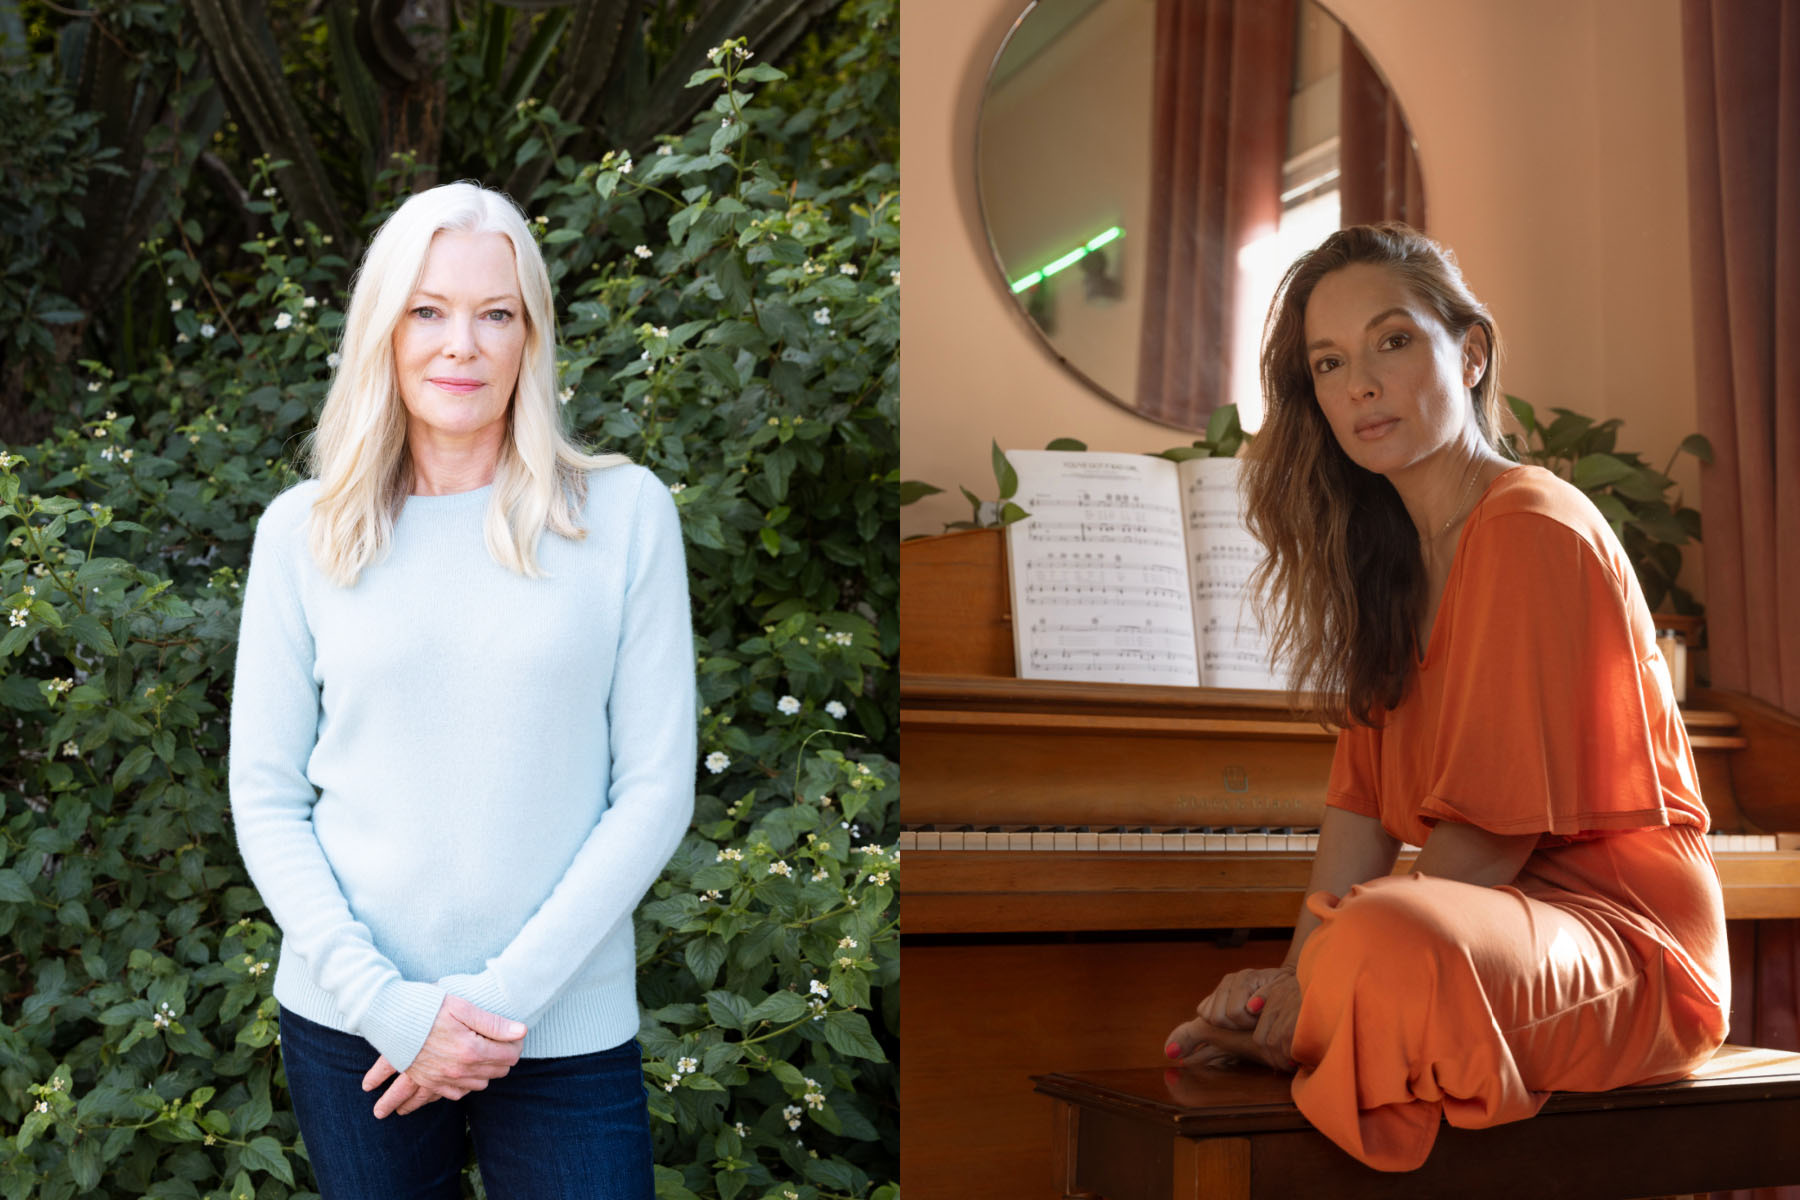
x=1551 y=138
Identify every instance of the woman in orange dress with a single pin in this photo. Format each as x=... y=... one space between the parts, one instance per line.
x=1475 y=630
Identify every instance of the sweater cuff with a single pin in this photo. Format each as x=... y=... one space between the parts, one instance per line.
x=483 y=991
x=400 y=1018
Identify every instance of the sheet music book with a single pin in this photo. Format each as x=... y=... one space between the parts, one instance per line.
x=1133 y=569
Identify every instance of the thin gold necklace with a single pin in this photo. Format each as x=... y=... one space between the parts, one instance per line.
x=1464 y=499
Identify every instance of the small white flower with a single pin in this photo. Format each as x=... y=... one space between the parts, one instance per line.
x=665 y=148
x=175 y=305
x=846 y=962
x=712 y=56
x=879 y=878
x=821 y=316
x=847 y=269
x=814 y=1099
x=741 y=1129
x=268 y=193
x=661 y=331
x=7 y=460
x=259 y=967
x=717 y=761
x=730 y=854
x=792 y=1114
x=181 y=339
x=309 y=302
x=31 y=591
x=781 y=868
x=541 y=219
x=106 y=455
x=895 y=276
x=625 y=167
x=566 y=395
x=284 y=320
x=675 y=489
x=125 y=455
x=862 y=768
x=18 y=617
x=43 y=1106
x=787 y=706
x=207 y=331
x=724 y=122
x=71 y=750
x=820 y=990
x=62 y=685
x=94 y=386
x=642 y=251
x=222 y=427
x=688 y=1065
x=835 y=709
x=846 y=943
x=333 y=359
x=820 y=875
x=713 y=894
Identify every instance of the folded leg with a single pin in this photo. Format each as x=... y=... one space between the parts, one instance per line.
x=1428 y=998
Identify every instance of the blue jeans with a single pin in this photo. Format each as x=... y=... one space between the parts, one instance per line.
x=574 y=1128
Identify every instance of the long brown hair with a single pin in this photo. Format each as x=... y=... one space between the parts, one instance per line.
x=1343 y=586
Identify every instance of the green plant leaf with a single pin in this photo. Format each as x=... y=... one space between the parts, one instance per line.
x=1066 y=444
x=1004 y=475
x=913 y=490
x=1697 y=445
x=1594 y=471
x=848 y=1033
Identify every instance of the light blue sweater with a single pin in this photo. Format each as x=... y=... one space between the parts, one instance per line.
x=452 y=778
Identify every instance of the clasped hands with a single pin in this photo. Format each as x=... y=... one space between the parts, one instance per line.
x=1250 y=1014
x=467 y=1047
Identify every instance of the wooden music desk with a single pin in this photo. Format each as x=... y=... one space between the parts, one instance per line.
x=1234 y=1134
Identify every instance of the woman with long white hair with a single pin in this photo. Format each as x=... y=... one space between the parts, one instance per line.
x=462 y=738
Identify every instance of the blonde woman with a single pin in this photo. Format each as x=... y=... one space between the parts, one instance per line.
x=462 y=738
x=1477 y=633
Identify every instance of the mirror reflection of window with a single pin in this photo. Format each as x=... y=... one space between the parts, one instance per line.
x=1139 y=226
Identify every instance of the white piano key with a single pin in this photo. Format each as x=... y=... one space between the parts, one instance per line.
x=1193 y=842
x=1131 y=840
x=1174 y=841
x=1064 y=839
x=1215 y=842
x=1042 y=839
x=908 y=840
x=1018 y=840
x=1087 y=839
x=1235 y=841
x=1256 y=841
x=1111 y=840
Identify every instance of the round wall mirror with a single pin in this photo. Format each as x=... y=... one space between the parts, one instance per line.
x=1148 y=169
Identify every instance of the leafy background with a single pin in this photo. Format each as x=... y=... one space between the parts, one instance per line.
x=722 y=231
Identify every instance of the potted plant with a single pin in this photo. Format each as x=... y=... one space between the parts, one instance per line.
x=1643 y=505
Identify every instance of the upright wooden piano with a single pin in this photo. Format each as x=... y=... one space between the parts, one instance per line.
x=1070 y=889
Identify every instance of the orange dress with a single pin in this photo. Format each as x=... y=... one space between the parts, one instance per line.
x=1542 y=706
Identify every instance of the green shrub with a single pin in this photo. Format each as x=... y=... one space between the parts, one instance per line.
x=137 y=1053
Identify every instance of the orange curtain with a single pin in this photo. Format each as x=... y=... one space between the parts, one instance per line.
x=1379 y=165
x=1224 y=70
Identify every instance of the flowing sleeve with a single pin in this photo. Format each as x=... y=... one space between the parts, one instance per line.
x=650 y=799
x=274 y=726
x=1543 y=724
x=1356 y=771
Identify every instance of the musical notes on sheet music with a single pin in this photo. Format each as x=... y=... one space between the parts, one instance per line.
x=1098 y=571
x=1133 y=569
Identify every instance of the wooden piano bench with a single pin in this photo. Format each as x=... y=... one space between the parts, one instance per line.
x=1234 y=1134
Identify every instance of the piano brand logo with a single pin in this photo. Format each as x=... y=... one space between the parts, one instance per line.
x=1237 y=779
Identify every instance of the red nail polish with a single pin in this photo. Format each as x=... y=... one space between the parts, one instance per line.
x=1172 y=1050
x=1255 y=1005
